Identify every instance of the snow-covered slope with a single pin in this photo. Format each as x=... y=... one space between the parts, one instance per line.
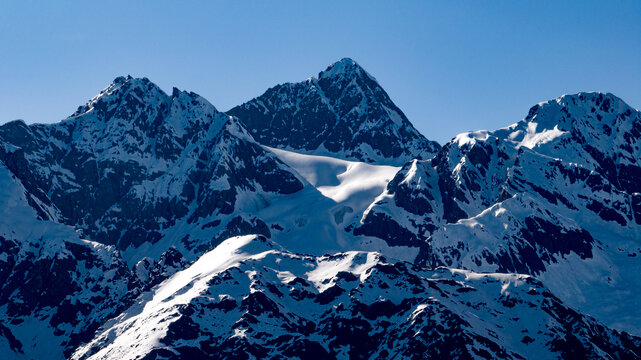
x=553 y=195
x=250 y=298
x=338 y=193
x=339 y=179
x=343 y=113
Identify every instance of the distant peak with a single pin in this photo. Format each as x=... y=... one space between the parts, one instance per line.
x=590 y=102
x=588 y=97
x=346 y=62
x=345 y=67
x=586 y=115
x=130 y=81
x=126 y=83
x=143 y=89
x=342 y=66
x=122 y=79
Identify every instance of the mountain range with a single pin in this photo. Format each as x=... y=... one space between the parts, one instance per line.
x=316 y=222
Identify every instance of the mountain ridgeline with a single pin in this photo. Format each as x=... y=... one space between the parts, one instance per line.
x=315 y=221
x=344 y=112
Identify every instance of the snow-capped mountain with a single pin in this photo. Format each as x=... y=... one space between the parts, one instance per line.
x=250 y=298
x=315 y=222
x=553 y=196
x=134 y=166
x=343 y=112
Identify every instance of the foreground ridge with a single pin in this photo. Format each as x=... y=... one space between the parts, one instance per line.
x=250 y=298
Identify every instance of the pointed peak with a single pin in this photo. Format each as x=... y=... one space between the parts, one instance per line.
x=345 y=67
x=122 y=79
x=184 y=98
x=130 y=82
x=346 y=62
x=143 y=89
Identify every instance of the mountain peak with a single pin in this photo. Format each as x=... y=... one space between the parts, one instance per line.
x=122 y=79
x=585 y=112
x=604 y=102
x=128 y=82
x=597 y=130
x=345 y=67
x=345 y=113
x=141 y=90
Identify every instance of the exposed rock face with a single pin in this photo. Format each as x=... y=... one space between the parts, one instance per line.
x=343 y=113
x=546 y=156
x=55 y=289
x=548 y=193
x=249 y=298
x=134 y=162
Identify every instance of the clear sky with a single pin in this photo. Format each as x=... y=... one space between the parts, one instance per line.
x=451 y=66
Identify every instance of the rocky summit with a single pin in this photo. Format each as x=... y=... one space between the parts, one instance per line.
x=316 y=222
x=343 y=112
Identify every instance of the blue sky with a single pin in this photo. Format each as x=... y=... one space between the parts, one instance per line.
x=451 y=66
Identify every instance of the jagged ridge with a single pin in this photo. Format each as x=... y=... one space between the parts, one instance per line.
x=250 y=298
x=343 y=112
x=554 y=195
